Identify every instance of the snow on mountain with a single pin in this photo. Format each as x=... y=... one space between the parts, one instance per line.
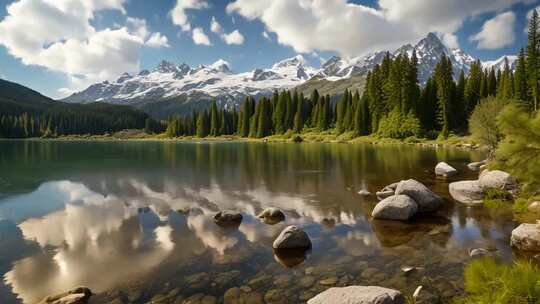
x=428 y=52
x=169 y=80
x=499 y=64
x=215 y=80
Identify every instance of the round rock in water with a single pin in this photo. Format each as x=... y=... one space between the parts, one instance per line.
x=426 y=199
x=526 y=237
x=358 y=295
x=292 y=237
x=396 y=207
x=228 y=218
x=467 y=192
x=272 y=215
x=445 y=170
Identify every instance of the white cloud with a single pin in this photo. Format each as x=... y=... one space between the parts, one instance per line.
x=58 y=35
x=234 y=37
x=178 y=13
x=353 y=29
x=266 y=36
x=497 y=32
x=199 y=37
x=157 y=40
x=215 y=26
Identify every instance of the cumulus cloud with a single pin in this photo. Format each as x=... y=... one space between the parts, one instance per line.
x=178 y=13
x=234 y=37
x=199 y=37
x=58 y=35
x=497 y=32
x=215 y=26
x=266 y=35
x=157 y=40
x=354 y=29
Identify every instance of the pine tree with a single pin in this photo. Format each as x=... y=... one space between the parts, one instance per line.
x=473 y=86
x=214 y=120
x=533 y=60
x=445 y=84
x=202 y=130
x=520 y=78
x=299 y=118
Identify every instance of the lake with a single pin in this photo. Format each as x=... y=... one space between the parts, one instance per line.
x=134 y=220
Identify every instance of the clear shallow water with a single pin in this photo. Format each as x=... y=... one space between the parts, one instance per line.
x=134 y=220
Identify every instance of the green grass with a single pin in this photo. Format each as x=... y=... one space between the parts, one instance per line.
x=490 y=282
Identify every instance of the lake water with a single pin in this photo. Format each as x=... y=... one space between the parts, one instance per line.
x=134 y=220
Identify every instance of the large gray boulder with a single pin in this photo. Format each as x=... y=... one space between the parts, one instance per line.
x=292 y=237
x=79 y=295
x=396 y=207
x=526 y=237
x=358 y=295
x=426 y=199
x=445 y=170
x=467 y=192
x=497 y=179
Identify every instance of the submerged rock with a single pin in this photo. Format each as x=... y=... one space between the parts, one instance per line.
x=475 y=166
x=292 y=237
x=426 y=199
x=396 y=207
x=467 y=192
x=497 y=179
x=79 y=295
x=445 y=170
x=272 y=215
x=479 y=253
x=358 y=295
x=526 y=237
x=364 y=192
x=228 y=218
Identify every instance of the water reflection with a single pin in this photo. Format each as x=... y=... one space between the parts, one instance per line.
x=116 y=216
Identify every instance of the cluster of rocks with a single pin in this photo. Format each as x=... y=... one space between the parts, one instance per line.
x=472 y=192
x=402 y=200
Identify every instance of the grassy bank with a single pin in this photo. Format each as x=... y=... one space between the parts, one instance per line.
x=310 y=136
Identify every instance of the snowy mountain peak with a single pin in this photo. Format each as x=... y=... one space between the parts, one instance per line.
x=221 y=66
x=500 y=63
x=295 y=61
x=166 y=67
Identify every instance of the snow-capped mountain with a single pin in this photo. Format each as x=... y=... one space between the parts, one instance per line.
x=217 y=80
x=499 y=64
x=181 y=88
x=428 y=52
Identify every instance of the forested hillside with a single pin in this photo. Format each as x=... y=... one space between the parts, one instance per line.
x=26 y=113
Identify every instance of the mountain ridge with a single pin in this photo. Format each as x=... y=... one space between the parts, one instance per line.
x=179 y=87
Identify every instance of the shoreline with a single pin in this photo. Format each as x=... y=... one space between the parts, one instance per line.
x=463 y=142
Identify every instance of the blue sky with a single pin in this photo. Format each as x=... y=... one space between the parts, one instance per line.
x=315 y=28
